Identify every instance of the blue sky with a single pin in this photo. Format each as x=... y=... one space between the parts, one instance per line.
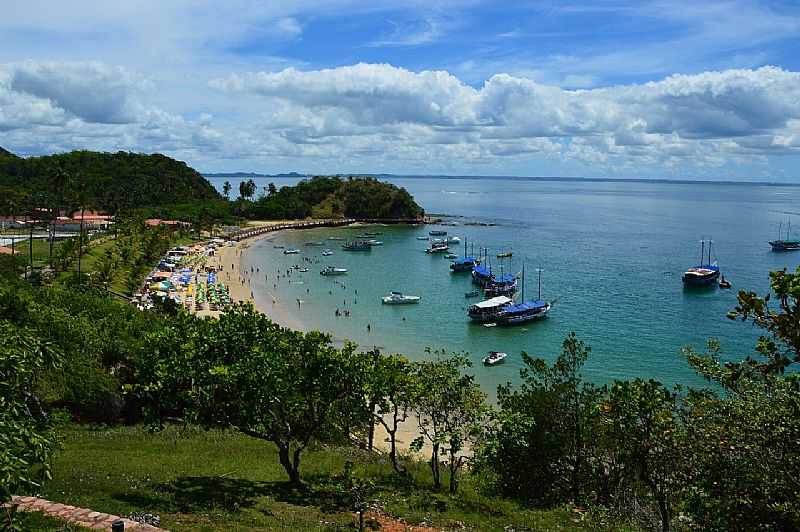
x=668 y=88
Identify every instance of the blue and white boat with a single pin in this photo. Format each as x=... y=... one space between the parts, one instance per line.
x=464 y=264
x=501 y=285
x=489 y=310
x=527 y=310
x=704 y=274
x=481 y=275
x=438 y=246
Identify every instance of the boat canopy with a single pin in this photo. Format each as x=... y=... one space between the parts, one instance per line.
x=494 y=302
x=526 y=306
x=504 y=279
x=464 y=260
x=482 y=271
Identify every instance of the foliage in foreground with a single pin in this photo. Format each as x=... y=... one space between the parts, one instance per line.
x=26 y=441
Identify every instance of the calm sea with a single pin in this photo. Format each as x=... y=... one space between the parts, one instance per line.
x=612 y=255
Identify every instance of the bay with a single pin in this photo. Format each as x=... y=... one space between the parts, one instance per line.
x=612 y=255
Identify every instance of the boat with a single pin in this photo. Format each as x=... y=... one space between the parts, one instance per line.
x=314 y=244
x=724 y=283
x=327 y=252
x=488 y=310
x=493 y=358
x=504 y=254
x=453 y=240
x=422 y=238
x=787 y=244
x=490 y=325
x=302 y=270
x=501 y=285
x=481 y=275
x=464 y=264
x=704 y=274
x=438 y=246
x=474 y=293
x=397 y=298
x=330 y=270
x=373 y=234
x=336 y=238
x=374 y=242
x=451 y=256
x=357 y=245
x=527 y=310
x=291 y=251
x=277 y=247
x=437 y=233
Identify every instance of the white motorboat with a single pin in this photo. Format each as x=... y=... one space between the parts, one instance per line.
x=494 y=357
x=397 y=298
x=330 y=270
x=327 y=252
x=422 y=238
x=453 y=240
x=291 y=251
x=374 y=242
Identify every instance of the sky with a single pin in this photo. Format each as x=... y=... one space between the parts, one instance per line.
x=603 y=88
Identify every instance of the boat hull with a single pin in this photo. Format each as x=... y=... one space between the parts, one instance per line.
x=701 y=280
x=778 y=245
x=524 y=318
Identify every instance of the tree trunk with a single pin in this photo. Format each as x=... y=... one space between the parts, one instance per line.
x=453 y=474
x=292 y=467
x=30 y=248
x=371 y=433
x=435 y=466
x=80 y=245
x=664 y=511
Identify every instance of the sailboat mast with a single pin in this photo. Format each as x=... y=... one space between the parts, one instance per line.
x=540 y=283
x=702 y=251
x=523 y=282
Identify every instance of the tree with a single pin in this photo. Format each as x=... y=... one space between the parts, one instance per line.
x=247 y=189
x=226 y=189
x=392 y=389
x=106 y=267
x=539 y=443
x=450 y=408
x=271 y=189
x=247 y=373
x=641 y=420
x=26 y=440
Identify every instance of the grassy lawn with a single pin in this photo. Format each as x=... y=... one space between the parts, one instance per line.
x=197 y=480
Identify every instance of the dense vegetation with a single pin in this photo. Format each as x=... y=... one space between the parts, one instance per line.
x=156 y=186
x=107 y=181
x=333 y=197
x=628 y=453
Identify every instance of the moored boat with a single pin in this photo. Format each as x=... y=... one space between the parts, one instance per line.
x=453 y=240
x=494 y=357
x=489 y=309
x=527 y=310
x=464 y=264
x=374 y=242
x=357 y=245
x=398 y=298
x=291 y=251
x=422 y=238
x=501 y=285
x=504 y=254
x=785 y=244
x=314 y=244
x=437 y=233
x=704 y=274
x=327 y=252
x=481 y=275
x=438 y=246
x=330 y=270
x=724 y=283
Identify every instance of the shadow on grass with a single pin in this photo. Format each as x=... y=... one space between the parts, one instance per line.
x=202 y=493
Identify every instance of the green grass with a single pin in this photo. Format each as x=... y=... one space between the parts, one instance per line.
x=38 y=522
x=197 y=480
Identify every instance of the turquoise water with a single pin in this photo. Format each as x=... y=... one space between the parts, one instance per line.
x=612 y=255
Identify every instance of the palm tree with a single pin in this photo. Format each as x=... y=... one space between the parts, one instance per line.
x=226 y=189
x=82 y=199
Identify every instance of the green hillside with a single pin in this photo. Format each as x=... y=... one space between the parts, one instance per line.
x=107 y=181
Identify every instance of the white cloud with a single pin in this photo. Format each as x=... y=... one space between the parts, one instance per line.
x=695 y=119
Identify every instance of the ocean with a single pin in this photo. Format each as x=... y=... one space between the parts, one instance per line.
x=612 y=255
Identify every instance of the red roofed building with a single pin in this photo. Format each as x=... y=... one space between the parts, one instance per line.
x=7 y=251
